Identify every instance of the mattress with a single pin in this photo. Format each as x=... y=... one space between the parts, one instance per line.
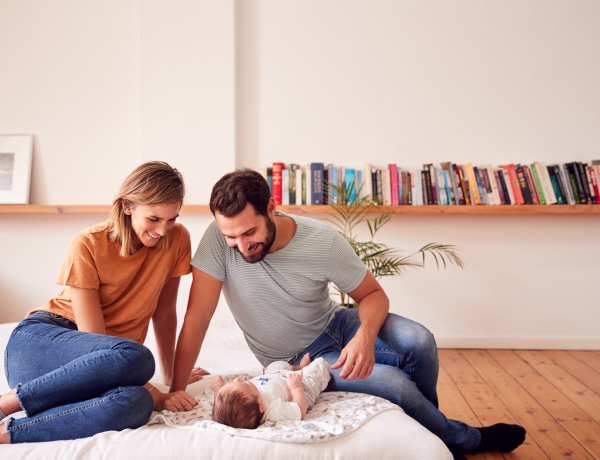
x=384 y=432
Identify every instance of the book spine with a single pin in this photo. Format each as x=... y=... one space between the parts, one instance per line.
x=317 y=181
x=393 y=168
x=277 y=177
x=575 y=180
x=472 y=181
x=558 y=192
x=595 y=181
x=460 y=189
x=537 y=182
x=530 y=184
x=514 y=183
x=502 y=192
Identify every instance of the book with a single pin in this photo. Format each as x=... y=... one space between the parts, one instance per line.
x=285 y=186
x=376 y=191
x=537 y=183
x=469 y=172
x=559 y=192
x=406 y=187
x=517 y=194
x=541 y=170
x=523 y=184
x=277 y=174
x=417 y=188
x=493 y=184
x=393 y=168
x=426 y=191
x=502 y=190
x=535 y=199
x=594 y=178
x=447 y=166
x=461 y=192
x=300 y=186
x=317 y=183
x=594 y=183
x=307 y=176
x=585 y=179
x=367 y=180
x=292 y=182
x=350 y=184
x=481 y=185
x=443 y=186
x=386 y=187
x=564 y=176
x=431 y=184
x=509 y=188
x=572 y=171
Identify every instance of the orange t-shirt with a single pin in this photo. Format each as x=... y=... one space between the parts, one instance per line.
x=128 y=287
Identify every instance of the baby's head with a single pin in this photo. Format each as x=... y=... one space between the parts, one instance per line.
x=238 y=404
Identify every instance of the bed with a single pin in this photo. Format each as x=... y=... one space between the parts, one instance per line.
x=340 y=426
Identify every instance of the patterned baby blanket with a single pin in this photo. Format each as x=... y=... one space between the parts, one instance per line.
x=334 y=414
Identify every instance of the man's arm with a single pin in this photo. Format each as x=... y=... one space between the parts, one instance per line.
x=202 y=302
x=358 y=356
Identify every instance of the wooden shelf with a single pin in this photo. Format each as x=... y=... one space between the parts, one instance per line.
x=584 y=209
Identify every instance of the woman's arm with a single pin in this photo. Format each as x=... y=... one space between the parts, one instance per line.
x=87 y=310
x=164 y=322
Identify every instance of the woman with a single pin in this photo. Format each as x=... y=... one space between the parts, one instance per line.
x=77 y=365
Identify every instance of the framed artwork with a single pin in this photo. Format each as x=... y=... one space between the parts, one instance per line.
x=16 y=151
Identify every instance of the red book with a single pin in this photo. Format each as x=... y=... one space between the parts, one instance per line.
x=394 y=183
x=276 y=190
x=511 y=170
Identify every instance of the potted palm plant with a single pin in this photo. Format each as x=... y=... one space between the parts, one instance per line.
x=353 y=210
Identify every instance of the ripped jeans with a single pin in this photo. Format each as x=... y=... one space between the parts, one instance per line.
x=74 y=384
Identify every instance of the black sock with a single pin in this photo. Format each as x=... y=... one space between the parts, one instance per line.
x=500 y=437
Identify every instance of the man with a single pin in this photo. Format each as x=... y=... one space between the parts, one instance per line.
x=274 y=270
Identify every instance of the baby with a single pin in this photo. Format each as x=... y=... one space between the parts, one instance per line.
x=283 y=392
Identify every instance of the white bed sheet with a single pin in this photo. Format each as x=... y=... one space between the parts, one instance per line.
x=390 y=434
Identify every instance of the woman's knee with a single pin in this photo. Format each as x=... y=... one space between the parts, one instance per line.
x=139 y=361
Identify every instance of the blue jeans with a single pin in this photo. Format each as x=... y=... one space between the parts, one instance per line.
x=74 y=384
x=405 y=373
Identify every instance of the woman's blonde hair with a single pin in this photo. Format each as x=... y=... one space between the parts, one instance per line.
x=151 y=183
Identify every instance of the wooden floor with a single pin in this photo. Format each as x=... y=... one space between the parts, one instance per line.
x=554 y=394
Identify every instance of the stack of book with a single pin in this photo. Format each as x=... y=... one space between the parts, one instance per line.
x=537 y=183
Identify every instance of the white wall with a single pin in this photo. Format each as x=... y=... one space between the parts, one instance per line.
x=210 y=85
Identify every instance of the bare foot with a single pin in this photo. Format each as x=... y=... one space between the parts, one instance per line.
x=9 y=403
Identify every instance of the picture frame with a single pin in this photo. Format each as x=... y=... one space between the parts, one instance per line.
x=16 y=152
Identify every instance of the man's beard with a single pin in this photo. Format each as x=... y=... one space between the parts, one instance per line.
x=265 y=246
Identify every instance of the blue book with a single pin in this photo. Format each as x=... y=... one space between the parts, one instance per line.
x=317 y=183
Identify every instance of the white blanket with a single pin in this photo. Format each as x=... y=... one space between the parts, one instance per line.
x=334 y=414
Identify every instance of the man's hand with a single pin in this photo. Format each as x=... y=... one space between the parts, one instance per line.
x=197 y=374
x=357 y=359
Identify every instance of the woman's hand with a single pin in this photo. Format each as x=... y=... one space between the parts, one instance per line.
x=177 y=401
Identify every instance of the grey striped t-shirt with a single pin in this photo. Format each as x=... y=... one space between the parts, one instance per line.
x=282 y=303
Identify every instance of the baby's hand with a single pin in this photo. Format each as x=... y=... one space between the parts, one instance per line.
x=216 y=383
x=294 y=380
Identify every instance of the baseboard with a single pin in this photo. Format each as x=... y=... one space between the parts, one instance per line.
x=527 y=343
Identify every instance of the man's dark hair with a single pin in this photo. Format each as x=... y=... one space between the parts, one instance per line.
x=236 y=189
